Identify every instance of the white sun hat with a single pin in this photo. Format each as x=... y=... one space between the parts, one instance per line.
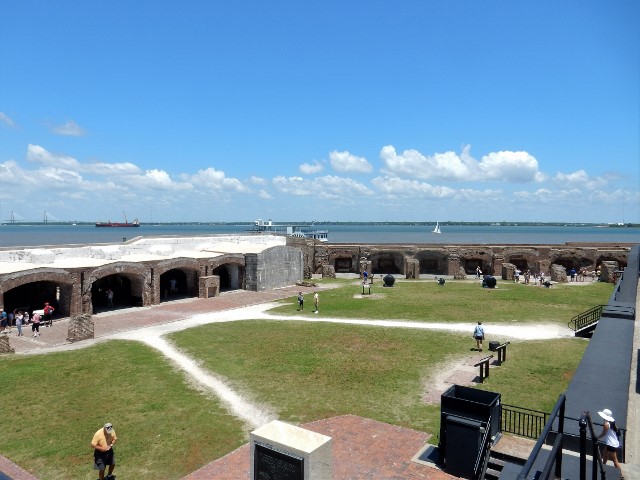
x=607 y=415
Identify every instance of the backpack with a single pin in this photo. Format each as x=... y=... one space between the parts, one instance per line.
x=615 y=428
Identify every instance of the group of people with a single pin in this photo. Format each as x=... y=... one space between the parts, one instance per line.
x=316 y=301
x=21 y=318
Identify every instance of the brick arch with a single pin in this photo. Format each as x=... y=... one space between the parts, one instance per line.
x=186 y=272
x=432 y=262
x=389 y=261
x=138 y=274
x=15 y=293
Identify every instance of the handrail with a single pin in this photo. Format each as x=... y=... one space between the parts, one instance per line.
x=586 y=318
x=558 y=411
x=483 y=454
x=585 y=421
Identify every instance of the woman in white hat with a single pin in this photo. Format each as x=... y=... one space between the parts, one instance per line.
x=611 y=441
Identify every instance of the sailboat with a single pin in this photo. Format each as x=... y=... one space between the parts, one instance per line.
x=437 y=229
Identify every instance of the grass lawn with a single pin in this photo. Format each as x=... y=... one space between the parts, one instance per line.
x=456 y=301
x=303 y=371
x=54 y=403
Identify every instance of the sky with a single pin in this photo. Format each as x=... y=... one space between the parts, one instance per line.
x=413 y=110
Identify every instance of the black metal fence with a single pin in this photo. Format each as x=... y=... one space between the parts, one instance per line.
x=523 y=422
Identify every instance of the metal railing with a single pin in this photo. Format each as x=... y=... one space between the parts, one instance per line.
x=555 y=455
x=585 y=319
x=585 y=421
x=523 y=422
x=483 y=455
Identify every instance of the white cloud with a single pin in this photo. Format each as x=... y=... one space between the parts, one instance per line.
x=580 y=179
x=410 y=188
x=311 y=168
x=449 y=166
x=4 y=118
x=41 y=156
x=264 y=195
x=344 y=162
x=71 y=129
x=328 y=186
x=213 y=179
x=257 y=180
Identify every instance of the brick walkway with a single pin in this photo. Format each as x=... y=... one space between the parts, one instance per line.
x=362 y=448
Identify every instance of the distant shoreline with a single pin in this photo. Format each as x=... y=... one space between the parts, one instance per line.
x=420 y=224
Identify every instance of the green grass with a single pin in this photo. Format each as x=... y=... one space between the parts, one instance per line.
x=456 y=302
x=53 y=405
x=302 y=371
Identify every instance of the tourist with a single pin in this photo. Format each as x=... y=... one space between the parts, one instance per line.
x=3 y=321
x=572 y=273
x=19 y=320
x=478 y=334
x=478 y=272
x=316 y=301
x=174 y=285
x=300 y=301
x=35 y=326
x=48 y=313
x=109 y=298
x=103 y=454
x=610 y=433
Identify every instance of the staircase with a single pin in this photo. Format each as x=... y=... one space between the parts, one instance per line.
x=499 y=461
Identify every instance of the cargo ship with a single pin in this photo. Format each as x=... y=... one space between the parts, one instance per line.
x=126 y=223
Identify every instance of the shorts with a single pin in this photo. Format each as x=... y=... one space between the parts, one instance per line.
x=611 y=449
x=479 y=337
x=101 y=460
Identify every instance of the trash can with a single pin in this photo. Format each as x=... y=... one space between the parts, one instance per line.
x=493 y=345
x=477 y=408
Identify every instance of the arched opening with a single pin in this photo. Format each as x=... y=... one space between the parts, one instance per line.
x=568 y=263
x=386 y=263
x=31 y=296
x=126 y=292
x=471 y=264
x=231 y=276
x=432 y=263
x=343 y=265
x=520 y=262
x=178 y=283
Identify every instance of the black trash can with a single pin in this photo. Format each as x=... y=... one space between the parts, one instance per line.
x=493 y=345
x=477 y=407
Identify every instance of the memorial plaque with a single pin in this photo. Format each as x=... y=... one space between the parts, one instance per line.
x=271 y=464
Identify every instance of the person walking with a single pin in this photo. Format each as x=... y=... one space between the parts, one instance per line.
x=611 y=440
x=19 y=320
x=300 y=301
x=48 y=314
x=316 y=301
x=35 y=326
x=3 y=321
x=103 y=453
x=478 y=334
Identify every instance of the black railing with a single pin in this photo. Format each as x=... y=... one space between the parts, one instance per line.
x=585 y=319
x=483 y=455
x=585 y=421
x=555 y=455
x=523 y=421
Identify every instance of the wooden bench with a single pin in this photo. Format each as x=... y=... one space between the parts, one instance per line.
x=502 y=352
x=483 y=363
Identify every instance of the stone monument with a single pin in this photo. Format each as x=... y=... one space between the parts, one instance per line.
x=286 y=452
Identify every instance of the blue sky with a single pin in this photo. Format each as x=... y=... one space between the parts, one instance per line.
x=338 y=111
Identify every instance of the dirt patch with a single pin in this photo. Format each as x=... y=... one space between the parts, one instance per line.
x=452 y=371
x=373 y=296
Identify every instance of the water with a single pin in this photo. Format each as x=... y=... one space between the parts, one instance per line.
x=47 y=234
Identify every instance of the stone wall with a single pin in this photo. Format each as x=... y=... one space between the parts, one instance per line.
x=274 y=268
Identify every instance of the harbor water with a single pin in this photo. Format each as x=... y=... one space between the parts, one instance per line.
x=20 y=235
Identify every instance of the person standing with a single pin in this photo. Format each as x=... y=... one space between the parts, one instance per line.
x=19 y=320
x=300 y=301
x=103 y=453
x=478 y=334
x=109 y=298
x=35 y=326
x=48 y=314
x=316 y=301
x=3 y=320
x=478 y=272
x=611 y=440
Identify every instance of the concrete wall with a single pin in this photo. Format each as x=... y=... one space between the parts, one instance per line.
x=273 y=268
